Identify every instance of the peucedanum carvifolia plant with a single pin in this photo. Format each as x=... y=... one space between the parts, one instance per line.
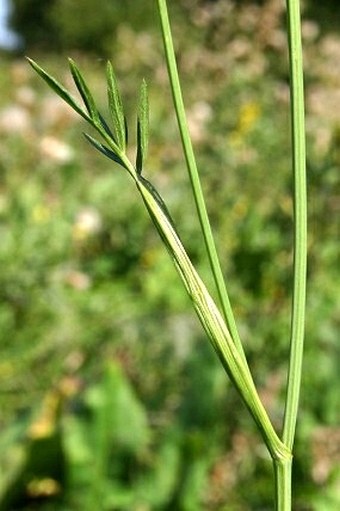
x=217 y=321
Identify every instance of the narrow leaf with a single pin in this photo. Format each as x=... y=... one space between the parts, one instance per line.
x=104 y=150
x=116 y=107
x=107 y=128
x=59 y=89
x=142 y=127
x=84 y=92
x=158 y=198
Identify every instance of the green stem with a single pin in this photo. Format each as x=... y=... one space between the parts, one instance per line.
x=283 y=482
x=194 y=176
x=213 y=322
x=300 y=223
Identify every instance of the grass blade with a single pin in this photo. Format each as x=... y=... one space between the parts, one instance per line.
x=59 y=89
x=104 y=150
x=84 y=92
x=116 y=108
x=106 y=128
x=142 y=127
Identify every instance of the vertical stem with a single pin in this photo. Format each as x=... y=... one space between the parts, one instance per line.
x=194 y=176
x=300 y=223
x=283 y=483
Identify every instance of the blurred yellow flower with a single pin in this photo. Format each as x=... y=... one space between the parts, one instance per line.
x=45 y=487
x=41 y=214
x=44 y=425
x=149 y=257
x=249 y=114
x=240 y=208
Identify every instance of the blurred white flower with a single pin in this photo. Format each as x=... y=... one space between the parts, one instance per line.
x=25 y=96
x=310 y=30
x=323 y=102
x=56 y=150
x=135 y=48
x=88 y=222
x=15 y=120
x=240 y=47
x=56 y=113
x=77 y=279
x=330 y=47
x=199 y=114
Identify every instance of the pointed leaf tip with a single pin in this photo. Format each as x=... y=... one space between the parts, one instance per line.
x=58 y=88
x=84 y=91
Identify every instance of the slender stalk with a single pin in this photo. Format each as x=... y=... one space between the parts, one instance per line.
x=283 y=484
x=300 y=222
x=194 y=176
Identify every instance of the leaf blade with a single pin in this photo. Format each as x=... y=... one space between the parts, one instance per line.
x=116 y=107
x=142 y=127
x=59 y=89
x=85 y=93
x=104 y=150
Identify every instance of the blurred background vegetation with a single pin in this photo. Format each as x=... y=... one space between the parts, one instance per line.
x=110 y=396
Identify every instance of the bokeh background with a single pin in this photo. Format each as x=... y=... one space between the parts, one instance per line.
x=111 y=398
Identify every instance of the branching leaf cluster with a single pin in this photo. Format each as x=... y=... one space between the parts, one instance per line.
x=116 y=139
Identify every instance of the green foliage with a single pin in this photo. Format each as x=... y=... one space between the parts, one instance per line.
x=81 y=270
x=55 y=28
x=113 y=457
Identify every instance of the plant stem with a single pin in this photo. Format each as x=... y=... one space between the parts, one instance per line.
x=194 y=176
x=300 y=223
x=283 y=483
x=213 y=323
